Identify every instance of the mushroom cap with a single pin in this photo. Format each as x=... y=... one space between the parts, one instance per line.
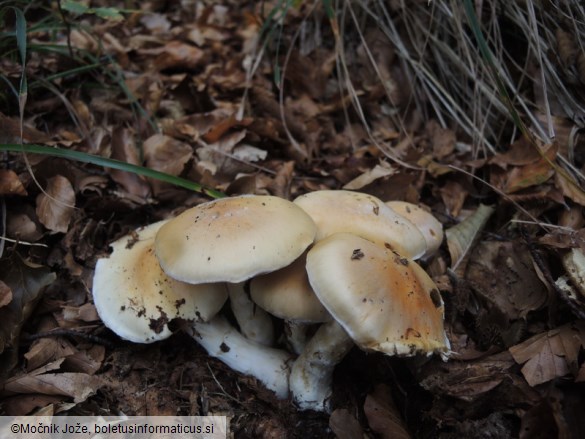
x=429 y=226
x=233 y=239
x=287 y=294
x=137 y=300
x=338 y=211
x=384 y=302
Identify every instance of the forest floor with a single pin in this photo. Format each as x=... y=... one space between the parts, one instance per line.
x=172 y=89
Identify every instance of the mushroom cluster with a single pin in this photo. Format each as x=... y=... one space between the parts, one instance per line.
x=336 y=266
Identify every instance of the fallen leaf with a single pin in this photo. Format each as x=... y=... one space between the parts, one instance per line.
x=5 y=294
x=460 y=238
x=166 y=154
x=10 y=184
x=570 y=189
x=47 y=350
x=551 y=354
x=532 y=174
x=55 y=207
x=383 y=416
x=78 y=386
x=453 y=194
x=124 y=149
x=503 y=274
x=382 y=170
x=26 y=280
x=177 y=55
x=345 y=425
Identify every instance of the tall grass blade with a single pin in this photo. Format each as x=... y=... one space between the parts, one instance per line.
x=113 y=164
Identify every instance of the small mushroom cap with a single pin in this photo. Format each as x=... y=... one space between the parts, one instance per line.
x=429 y=226
x=385 y=302
x=338 y=211
x=233 y=239
x=287 y=294
x=137 y=300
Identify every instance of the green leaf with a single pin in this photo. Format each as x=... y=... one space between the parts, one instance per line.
x=108 y=13
x=74 y=7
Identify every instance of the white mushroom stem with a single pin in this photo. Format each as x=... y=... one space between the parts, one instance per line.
x=296 y=335
x=268 y=365
x=312 y=373
x=255 y=323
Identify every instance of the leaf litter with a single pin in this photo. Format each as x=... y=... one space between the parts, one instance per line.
x=179 y=98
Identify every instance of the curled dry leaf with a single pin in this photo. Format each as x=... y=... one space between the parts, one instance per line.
x=460 y=238
x=56 y=205
x=382 y=170
x=383 y=416
x=345 y=425
x=178 y=55
x=78 y=386
x=5 y=294
x=10 y=184
x=26 y=281
x=551 y=354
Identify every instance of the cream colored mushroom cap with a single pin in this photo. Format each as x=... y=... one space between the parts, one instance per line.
x=385 y=302
x=429 y=226
x=287 y=294
x=233 y=239
x=137 y=300
x=338 y=211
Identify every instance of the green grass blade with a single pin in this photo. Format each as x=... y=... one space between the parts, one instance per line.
x=113 y=164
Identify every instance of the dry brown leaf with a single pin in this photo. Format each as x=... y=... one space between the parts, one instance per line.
x=5 y=294
x=503 y=274
x=21 y=405
x=460 y=238
x=26 y=281
x=383 y=169
x=383 y=416
x=88 y=361
x=47 y=350
x=166 y=154
x=20 y=226
x=55 y=207
x=124 y=149
x=453 y=194
x=533 y=174
x=442 y=139
x=178 y=55
x=551 y=354
x=468 y=381
x=520 y=153
x=570 y=189
x=345 y=425
x=78 y=386
x=10 y=184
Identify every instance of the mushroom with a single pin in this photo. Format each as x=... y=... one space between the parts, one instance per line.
x=287 y=294
x=137 y=300
x=429 y=226
x=232 y=240
x=336 y=211
x=382 y=301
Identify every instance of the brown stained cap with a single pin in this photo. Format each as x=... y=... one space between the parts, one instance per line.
x=383 y=301
x=137 y=300
x=287 y=294
x=233 y=239
x=338 y=211
x=429 y=226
